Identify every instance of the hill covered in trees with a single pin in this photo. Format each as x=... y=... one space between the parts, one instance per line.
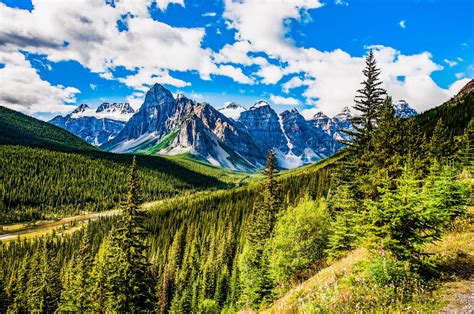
x=399 y=186
x=46 y=173
x=19 y=129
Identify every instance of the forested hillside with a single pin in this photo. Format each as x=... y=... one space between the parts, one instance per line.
x=19 y=129
x=399 y=186
x=39 y=183
x=46 y=172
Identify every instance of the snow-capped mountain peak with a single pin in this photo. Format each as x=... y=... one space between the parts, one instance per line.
x=123 y=108
x=114 y=111
x=232 y=110
x=259 y=104
x=403 y=109
x=81 y=108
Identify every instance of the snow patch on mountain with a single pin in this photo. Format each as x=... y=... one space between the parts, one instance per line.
x=232 y=110
x=115 y=111
x=403 y=110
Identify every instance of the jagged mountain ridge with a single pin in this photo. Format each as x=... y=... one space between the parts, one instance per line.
x=232 y=137
x=96 y=126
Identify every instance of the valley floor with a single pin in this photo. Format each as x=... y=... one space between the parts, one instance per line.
x=39 y=228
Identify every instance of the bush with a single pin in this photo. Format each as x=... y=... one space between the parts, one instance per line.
x=299 y=240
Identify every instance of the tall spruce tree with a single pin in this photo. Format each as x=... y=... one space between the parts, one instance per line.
x=254 y=271
x=135 y=280
x=368 y=105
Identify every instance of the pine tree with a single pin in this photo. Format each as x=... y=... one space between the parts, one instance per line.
x=77 y=296
x=368 y=105
x=445 y=192
x=404 y=218
x=135 y=281
x=255 y=278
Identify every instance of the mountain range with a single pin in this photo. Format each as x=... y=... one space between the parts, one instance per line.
x=96 y=126
x=233 y=136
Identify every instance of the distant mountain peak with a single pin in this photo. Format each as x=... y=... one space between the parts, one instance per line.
x=320 y=115
x=346 y=110
x=232 y=110
x=259 y=104
x=123 y=108
x=158 y=95
x=81 y=108
x=403 y=109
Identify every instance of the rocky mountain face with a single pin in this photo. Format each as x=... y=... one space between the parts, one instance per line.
x=469 y=87
x=232 y=136
x=334 y=126
x=95 y=126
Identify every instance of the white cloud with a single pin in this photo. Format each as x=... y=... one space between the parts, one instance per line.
x=266 y=34
x=403 y=24
x=331 y=77
x=235 y=73
x=93 y=86
x=459 y=75
x=450 y=63
x=279 y=100
x=270 y=73
x=22 y=88
x=292 y=83
x=163 y=4
x=146 y=77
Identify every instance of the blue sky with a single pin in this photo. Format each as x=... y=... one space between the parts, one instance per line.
x=303 y=53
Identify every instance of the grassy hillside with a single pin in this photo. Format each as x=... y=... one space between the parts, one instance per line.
x=19 y=129
x=346 y=285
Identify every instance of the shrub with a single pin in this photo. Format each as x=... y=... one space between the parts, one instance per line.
x=299 y=239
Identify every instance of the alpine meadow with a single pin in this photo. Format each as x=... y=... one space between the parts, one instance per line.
x=179 y=156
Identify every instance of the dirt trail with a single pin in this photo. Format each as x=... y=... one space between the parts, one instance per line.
x=461 y=297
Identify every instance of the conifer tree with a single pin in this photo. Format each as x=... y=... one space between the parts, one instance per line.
x=368 y=105
x=77 y=297
x=255 y=278
x=404 y=218
x=135 y=281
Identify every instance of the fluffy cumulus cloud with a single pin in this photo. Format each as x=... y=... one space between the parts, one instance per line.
x=329 y=78
x=86 y=31
x=262 y=52
x=23 y=89
x=288 y=101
